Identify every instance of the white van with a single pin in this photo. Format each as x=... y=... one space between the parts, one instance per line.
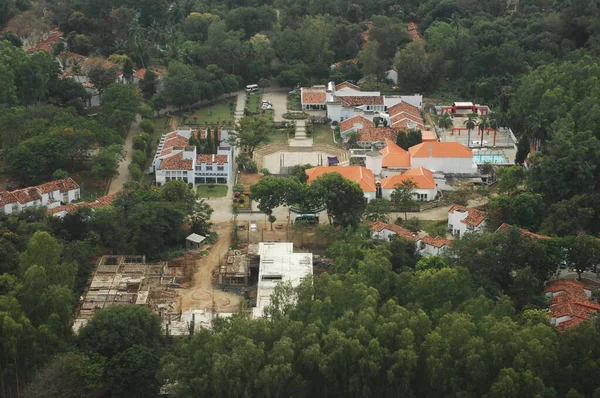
x=252 y=88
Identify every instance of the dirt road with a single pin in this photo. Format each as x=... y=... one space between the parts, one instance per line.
x=200 y=294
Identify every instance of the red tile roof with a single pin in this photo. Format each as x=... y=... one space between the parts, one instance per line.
x=103 y=201
x=404 y=108
x=506 y=227
x=70 y=208
x=419 y=175
x=7 y=198
x=347 y=85
x=429 y=136
x=440 y=150
x=210 y=159
x=474 y=216
x=377 y=134
x=570 y=300
x=139 y=74
x=403 y=120
x=64 y=185
x=438 y=241
x=402 y=232
x=394 y=155
x=348 y=124
x=176 y=162
x=26 y=195
x=353 y=60
x=414 y=32
x=312 y=95
x=361 y=175
x=46 y=45
x=351 y=100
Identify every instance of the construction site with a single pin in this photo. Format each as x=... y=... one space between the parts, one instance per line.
x=128 y=279
x=188 y=293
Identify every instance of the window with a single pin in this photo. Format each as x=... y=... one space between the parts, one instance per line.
x=208 y=168
x=185 y=173
x=76 y=195
x=271 y=277
x=51 y=195
x=220 y=168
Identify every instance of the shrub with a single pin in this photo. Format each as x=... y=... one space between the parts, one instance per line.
x=147 y=126
x=139 y=158
x=136 y=172
x=264 y=172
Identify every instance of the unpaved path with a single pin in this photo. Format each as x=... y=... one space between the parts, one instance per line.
x=202 y=294
x=439 y=213
x=117 y=183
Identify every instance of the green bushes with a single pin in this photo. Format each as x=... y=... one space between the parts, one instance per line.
x=147 y=126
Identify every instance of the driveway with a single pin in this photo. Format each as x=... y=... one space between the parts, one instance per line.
x=279 y=100
x=117 y=183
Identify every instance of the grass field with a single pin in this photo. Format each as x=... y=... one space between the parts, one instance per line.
x=322 y=134
x=91 y=188
x=253 y=103
x=279 y=137
x=210 y=114
x=212 y=191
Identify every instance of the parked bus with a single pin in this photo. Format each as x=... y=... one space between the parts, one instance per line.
x=252 y=88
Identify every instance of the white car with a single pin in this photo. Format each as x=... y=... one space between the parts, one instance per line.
x=479 y=142
x=253 y=226
x=266 y=105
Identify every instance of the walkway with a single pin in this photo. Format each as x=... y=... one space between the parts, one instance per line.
x=119 y=181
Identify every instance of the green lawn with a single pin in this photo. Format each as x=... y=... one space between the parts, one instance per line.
x=91 y=188
x=212 y=191
x=279 y=137
x=253 y=102
x=268 y=113
x=322 y=134
x=211 y=114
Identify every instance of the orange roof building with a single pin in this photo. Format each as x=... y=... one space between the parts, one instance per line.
x=394 y=156
x=570 y=303
x=313 y=98
x=430 y=246
x=49 y=195
x=360 y=175
x=355 y=123
x=419 y=175
x=449 y=157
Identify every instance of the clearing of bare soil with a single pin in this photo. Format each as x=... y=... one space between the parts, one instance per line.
x=202 y=294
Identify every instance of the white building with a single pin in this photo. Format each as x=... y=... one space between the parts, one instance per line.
x=437 y=246
x=463 y=219
x=50 y=195
x=279 y=264
x=176 y=160
x=346 y=100
x=426 y=187
x=384 y=231
x=448 y=157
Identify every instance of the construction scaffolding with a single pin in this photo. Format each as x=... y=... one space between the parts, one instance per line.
x=128 y=280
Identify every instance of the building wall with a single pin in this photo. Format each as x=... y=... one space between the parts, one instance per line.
x=431 y=193
x=384 y=234
x=455 y=225
x=392 y=171
x=428 y=250
x=370 y=196
x=447 y=165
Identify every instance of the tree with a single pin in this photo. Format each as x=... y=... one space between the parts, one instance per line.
x=116 y=329
x=344 y=199
x=250 y=132
x=148 y=83
x=132 y=373
x=582 y=253
x=264 y=83
x=414 y=66
x=272 y=219
x=102 y=77
x=70 y=375
x=470 y=125
x=445 y=121
x=106 y=163
x=372 y=64
x=403 y=196
x=378 y=210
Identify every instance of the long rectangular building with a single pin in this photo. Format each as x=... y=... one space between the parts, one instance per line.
x=279 y=264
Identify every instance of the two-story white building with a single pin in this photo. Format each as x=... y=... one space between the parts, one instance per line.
x=462 y=220
x=51 y=194
x=176 y=160
x=425 y=186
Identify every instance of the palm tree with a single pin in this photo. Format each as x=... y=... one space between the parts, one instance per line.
x=470 y=125
x=456 y=23
x=484 y=123
x=156 y=33
x=536 y=129
x=120 y=46
x=445 y=121
x=493 y=119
